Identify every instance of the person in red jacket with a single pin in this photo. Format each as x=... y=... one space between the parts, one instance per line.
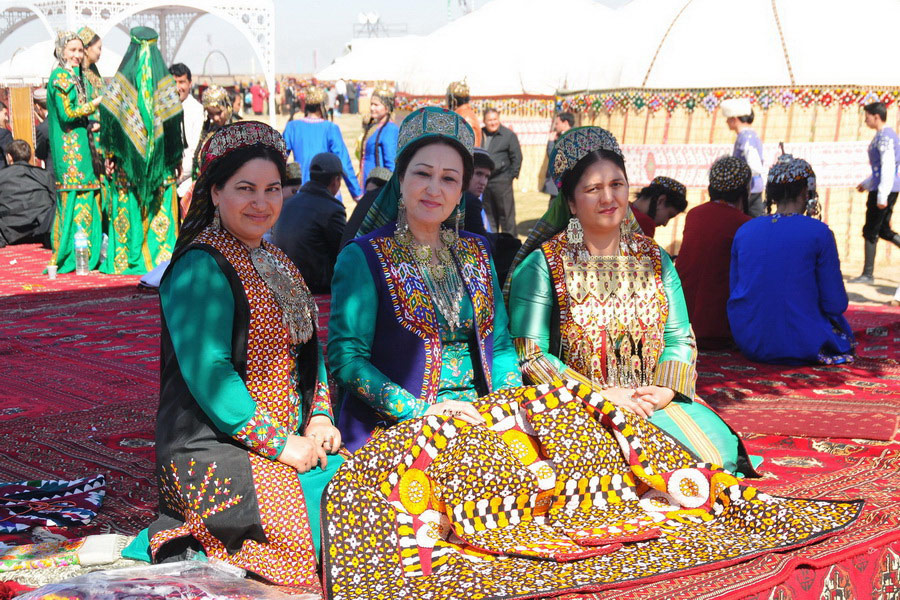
x=704 y=259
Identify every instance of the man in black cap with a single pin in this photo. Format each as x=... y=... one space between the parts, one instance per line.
x=312 y=222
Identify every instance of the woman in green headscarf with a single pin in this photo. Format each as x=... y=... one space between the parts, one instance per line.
x=591 y=299
x=77 y=186
x=141 y=119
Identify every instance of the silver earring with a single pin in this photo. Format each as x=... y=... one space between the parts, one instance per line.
x=217 y=220
x=402 y=233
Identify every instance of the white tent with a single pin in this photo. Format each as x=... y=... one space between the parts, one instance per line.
x=32 y=65
x=373 y=59
x=512 y=47
x=742 y=43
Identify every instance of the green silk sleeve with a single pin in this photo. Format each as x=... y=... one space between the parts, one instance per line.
x=505 y=368
x=351 y=332
x=198 y=306
x=531 y=306
x=677 y=367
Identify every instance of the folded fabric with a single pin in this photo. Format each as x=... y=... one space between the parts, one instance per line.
x=27 y=504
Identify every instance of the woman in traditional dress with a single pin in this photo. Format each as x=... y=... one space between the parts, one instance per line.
x=379 y=138
x=799 y=323
x=219 y=112
x=603 y=304
x=77 y=185
x=418 y=325
x=142 y=119
x=245 y=423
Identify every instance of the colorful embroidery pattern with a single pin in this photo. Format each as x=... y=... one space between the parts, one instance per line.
x=262 y=436
x=602 y=497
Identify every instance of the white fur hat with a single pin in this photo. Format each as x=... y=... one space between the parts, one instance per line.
x=736 y=107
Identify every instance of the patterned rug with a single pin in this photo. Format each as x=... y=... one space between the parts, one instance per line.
x=855 y=400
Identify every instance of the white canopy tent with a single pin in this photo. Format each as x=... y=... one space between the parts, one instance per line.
x=32 y=65
x=373 y=59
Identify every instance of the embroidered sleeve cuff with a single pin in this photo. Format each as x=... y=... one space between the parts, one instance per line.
x=261 y=435
x=77 y=111
x=536 y=368
x=678 y=376
x=321 y=403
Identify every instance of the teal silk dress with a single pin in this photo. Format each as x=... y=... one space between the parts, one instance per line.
x=617 y=321
x=351 y=333
x=77 y=186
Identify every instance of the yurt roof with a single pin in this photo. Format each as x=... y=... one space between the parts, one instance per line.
x=33 y=65
x=506 y=48
x=372 y=59
x=743 y=43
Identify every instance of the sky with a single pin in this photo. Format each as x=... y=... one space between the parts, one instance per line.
x=309 y=34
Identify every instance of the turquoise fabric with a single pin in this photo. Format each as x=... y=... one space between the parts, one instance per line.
x=351 y=331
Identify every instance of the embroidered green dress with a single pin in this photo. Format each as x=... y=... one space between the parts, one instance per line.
x=77 y=186
x=617 y=321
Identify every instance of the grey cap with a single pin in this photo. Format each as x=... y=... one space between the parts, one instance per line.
x=326 y=163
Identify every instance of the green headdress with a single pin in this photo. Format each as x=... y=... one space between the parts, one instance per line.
x=141 y=116
x=428 y=122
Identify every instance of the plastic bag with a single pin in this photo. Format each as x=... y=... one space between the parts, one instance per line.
x=185 y=580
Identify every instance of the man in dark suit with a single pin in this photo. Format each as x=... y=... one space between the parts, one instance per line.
x=312 y=222
x=27 y=204
x=503 y=146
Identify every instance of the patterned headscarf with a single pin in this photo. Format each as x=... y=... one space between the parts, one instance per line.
x=141 y=116
x=428 y=122
x=673 y=185
x=570 y=148
x=63 y=38
x=215 y=96
x=385 y=93
x=729 y=173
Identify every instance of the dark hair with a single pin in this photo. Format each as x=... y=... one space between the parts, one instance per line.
x=93 y=41
x=19 y=150
x=653 y=193
x=489 y=110
x=571 y=177
x=739 y=197
x=876 y=108
x=407 y=154
x=323 y=178
x=179 y=69
x=782 y=193
x=311 y=108
x=453 y=100
x=376 y=180
x=748 y=119
x=200 y=214
x=566 y=117
x=483 y=160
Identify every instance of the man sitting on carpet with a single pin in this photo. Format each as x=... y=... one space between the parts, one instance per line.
x=27 y=201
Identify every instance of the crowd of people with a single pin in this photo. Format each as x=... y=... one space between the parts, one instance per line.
x=435 y=303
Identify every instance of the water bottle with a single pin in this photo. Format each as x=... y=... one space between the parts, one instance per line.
x=82 y=252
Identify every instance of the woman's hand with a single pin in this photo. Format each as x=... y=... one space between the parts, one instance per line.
x=629 y=399
x=302 y=453
x=460 y=410
x=659 y=396
x=323 y=434
x=96 y=101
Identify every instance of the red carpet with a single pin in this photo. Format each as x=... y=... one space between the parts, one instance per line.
x=856 y=400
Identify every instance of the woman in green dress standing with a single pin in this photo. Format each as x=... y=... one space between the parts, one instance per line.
x=77 y=185
x=593 y=300
x=141 y=119
x=418 y=325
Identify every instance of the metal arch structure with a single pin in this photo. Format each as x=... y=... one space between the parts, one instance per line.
x=254 y=19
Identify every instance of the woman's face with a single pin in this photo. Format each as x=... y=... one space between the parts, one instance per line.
x=377 y=108
x=217 y=115
x=250 y=201
x=92 y=52
x=601 y=198
x=432 y=185
x=73 y=53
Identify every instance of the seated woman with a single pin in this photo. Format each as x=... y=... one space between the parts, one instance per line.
x=659 y=202
x=803 y=322
x=245 y=421
x=604 y=305
x=417 y=324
